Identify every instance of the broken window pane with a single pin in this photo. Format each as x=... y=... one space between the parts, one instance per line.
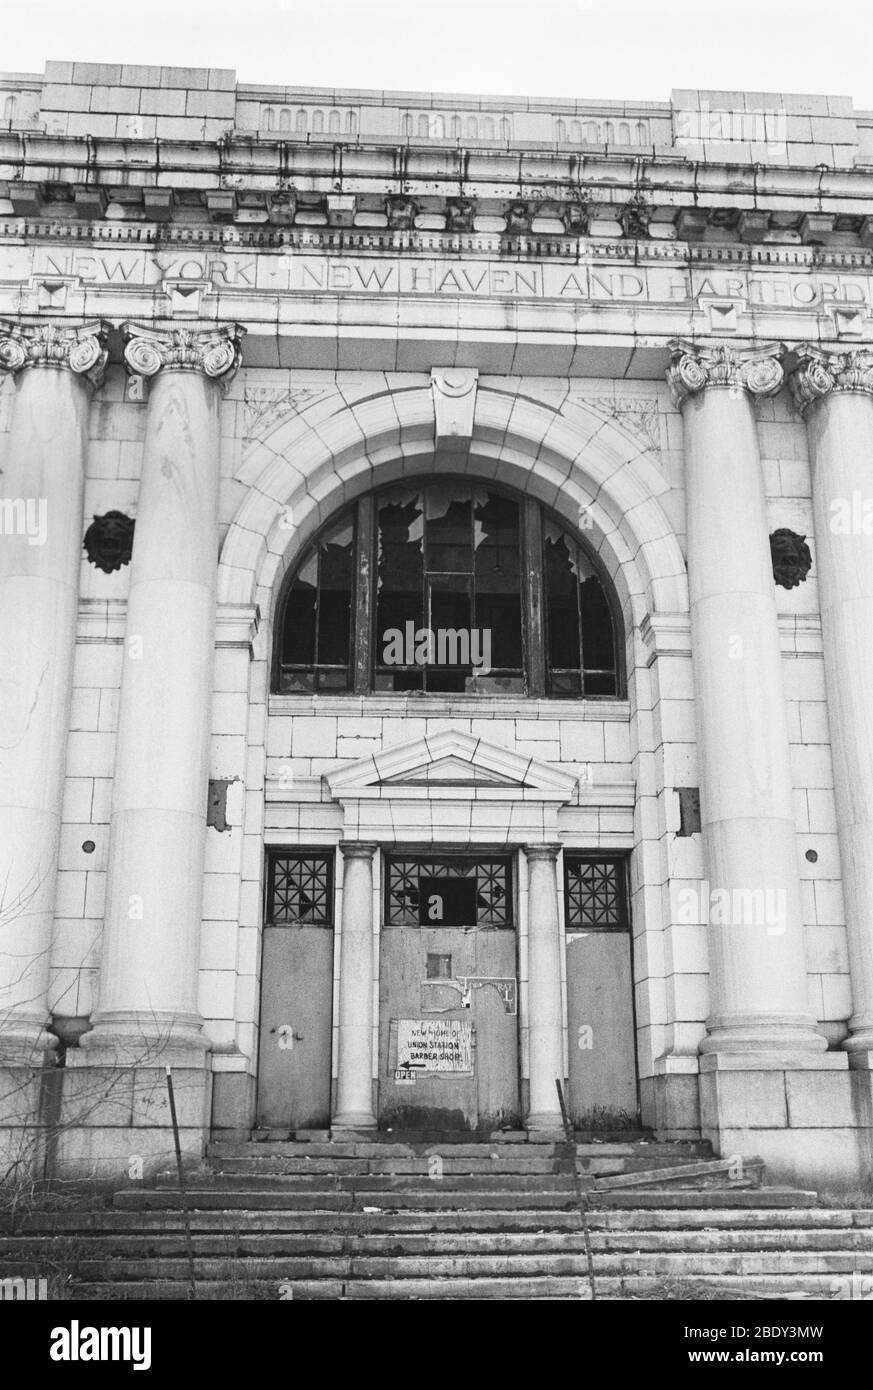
x=580 y=643
x=448 y=601
x=317 y=624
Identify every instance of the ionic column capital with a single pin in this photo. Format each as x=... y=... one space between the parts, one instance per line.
x=693 y=369
x=357 y=849
x=215 y=352
x=80 y=349
x=547 y=851
x=818 y=374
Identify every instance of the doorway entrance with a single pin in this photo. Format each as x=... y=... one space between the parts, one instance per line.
x=448 y=993
x=296 y=992
x=603 y=1086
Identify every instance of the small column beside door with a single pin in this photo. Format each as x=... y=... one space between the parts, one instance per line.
x=545 y=1004
x=354 y=1093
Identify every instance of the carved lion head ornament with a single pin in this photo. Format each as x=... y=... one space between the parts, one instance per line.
x=791 y=558
x=109 y=541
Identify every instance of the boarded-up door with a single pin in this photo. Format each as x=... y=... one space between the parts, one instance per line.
x=448 y=1049
x=296 y=994
x=603 y=1091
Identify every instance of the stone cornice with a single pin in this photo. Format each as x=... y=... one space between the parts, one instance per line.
x=215 y=352
x=279 y=183
x=818 y=374
x=81 y=349
x=694 y=369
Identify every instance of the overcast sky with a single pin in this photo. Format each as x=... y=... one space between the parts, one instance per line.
x=574 y=48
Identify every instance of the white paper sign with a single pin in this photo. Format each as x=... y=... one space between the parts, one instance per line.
x=435 y=1044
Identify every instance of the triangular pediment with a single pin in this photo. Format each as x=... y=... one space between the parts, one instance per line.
x=450 y=759
x=450 y=771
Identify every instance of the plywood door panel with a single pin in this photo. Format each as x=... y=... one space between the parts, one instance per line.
x=602 y=1052
x=497 y=1033
x=488 y=1097
x=296 y=1005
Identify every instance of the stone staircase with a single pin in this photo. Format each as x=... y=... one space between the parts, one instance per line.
x=423 y=1217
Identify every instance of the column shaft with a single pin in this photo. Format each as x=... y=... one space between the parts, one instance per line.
x=545 y=1010
x=759 y=999
x=837 y=391
x=42 y=487
x=354 y=1097
x=149 y=971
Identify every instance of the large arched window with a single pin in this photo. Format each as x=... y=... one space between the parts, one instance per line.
x=454 y=587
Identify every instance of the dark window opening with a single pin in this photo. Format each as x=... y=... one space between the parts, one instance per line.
x=299 y=890
x=449 y=587
x=317 y=619
x=595 y=892
x=456 y=890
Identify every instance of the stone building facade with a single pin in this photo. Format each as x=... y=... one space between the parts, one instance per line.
x=436 y=587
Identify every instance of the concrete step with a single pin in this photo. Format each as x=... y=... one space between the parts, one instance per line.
x=441 y=1136
x=369 y=1150
x=490 y=1163
x=221 y=1152
x=667 y=1265
x=836 y=1227
x=370 y=1182
x=546 y=1288
x=267 y=1244
x=437 y=1195
x=715 y=1198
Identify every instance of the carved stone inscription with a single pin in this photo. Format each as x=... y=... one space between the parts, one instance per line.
x=599 y=280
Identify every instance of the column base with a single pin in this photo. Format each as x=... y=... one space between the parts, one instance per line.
x=25 y=1042
x=670 y=1099
x=353 y=1119
x=146 y=1039
x=860 y=1060
x=778 y=1033
x=860 y=1037
x=808 y=1116
x=28 y=1118
x=540 y=1120
x=115 y=1119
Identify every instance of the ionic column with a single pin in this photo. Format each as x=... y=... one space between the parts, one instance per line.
x=545 y=1009
x=354 y=1094
x=148 y=978
x=759 y=999
x=41 y=492
x=835 y=393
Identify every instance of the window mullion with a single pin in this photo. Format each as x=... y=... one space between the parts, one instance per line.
x=365 y=578
x=534 y=565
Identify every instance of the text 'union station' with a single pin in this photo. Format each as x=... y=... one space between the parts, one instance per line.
x=435 y=643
